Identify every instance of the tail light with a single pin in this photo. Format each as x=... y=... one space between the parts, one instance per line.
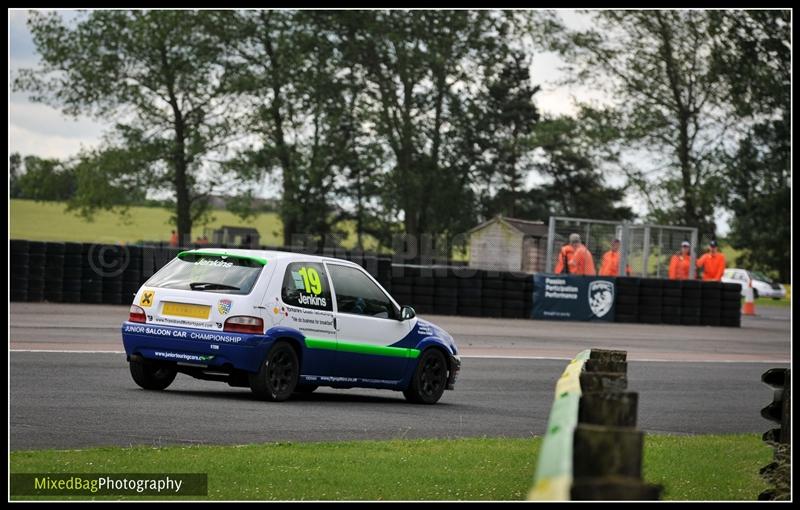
x=137 y=314
x=244 y=324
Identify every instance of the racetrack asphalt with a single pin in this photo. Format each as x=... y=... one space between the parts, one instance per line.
x=708 y=381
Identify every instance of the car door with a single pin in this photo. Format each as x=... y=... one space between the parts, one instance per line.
x=306 y=305
x=368 y=324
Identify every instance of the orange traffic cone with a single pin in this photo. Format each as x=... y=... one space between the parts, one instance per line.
x=749 y=307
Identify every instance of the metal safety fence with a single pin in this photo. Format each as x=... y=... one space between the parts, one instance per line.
x=643 y=250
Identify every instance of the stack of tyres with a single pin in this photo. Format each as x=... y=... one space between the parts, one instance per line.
x=132 y=274
x=54 y=272
x=731 y=305
x=73 y=272
x=627 y=299
x=711 y=296
x=18 y=270
x=402 y=285
x=671 y=301
x=37 y=258
x=114 y=261
x=385 y=273
x=691 y=302
x=91 y=274
x=650 y=300
x=514 y=295
x=492 y=294
x=470 y=290
x=445 y=294
x=528 y=297
x=423 y=292
x=368 y=262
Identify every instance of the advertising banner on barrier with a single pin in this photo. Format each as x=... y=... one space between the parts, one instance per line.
x=573 y=298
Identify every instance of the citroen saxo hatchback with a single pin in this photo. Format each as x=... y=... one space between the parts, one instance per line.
x=282 y=323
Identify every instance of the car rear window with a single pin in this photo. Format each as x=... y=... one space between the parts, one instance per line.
x=225 y=274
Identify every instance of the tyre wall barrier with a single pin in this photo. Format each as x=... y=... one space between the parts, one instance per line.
x=591 y=450
x=686 y=302
x=112 y=274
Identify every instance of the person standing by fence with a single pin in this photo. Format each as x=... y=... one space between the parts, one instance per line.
x=581 y=262
x=712 y=263
x=609 y=266
x=564 y=258
x=680 y=263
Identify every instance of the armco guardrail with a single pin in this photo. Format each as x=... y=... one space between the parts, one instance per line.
x=778 y=472
x=591 y=450
x=553 y=478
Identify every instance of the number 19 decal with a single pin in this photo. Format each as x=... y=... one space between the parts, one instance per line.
x=311 y=280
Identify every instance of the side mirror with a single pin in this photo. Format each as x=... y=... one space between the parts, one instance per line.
x=407 y=313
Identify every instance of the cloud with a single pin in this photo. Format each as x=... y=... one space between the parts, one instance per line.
x=46 y=121
x=20 y=40
x=28 y=142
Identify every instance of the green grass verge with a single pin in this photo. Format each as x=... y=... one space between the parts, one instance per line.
x=690 y=468
x=703 y=468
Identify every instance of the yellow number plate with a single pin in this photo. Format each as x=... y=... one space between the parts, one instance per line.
x=186 y=310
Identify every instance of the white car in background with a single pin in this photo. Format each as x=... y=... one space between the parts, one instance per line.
x=763 y=286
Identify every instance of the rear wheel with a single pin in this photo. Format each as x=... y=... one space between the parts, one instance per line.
x=276 y=380
x=151 y=376
x=429 y=380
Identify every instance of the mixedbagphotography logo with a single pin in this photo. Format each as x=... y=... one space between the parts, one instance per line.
x=116 y=484
x=108 y=261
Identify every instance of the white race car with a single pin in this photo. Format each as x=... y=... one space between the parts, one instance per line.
x=282 y=323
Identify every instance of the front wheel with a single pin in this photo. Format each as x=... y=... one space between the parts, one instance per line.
x=277 y=378
x=151 y=376
x=429 y=380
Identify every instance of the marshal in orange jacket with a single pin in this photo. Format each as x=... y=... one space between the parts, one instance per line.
x=579 y=261
x=679 y=267
x=609 y=266
x=713 y=265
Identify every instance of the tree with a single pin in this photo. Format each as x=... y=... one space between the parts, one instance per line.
x=156 y=73
x=14 y=173
x=505 y=120
x=422 y=69
x=658 y=72
x=753 y=58
x=42 y=179
x=286 y=67
x=575 y=186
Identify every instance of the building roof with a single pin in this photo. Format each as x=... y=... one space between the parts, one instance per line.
x=524 y=227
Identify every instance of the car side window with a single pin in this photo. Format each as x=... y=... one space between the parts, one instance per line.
x=357 y=294
x=305 y=284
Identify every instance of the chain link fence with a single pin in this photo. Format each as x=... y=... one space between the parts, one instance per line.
x=643 y=250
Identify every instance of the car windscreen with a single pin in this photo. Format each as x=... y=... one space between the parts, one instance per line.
x=208 y=273
x=761 y=276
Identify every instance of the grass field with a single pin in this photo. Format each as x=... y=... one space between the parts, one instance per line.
x=689 y=467
x=49 y=221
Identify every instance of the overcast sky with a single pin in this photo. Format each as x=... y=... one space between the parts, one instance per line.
x=38 y=129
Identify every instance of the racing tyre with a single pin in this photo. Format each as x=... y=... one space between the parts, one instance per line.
x=430 y=378
x=277 y=378
x=151 y=376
